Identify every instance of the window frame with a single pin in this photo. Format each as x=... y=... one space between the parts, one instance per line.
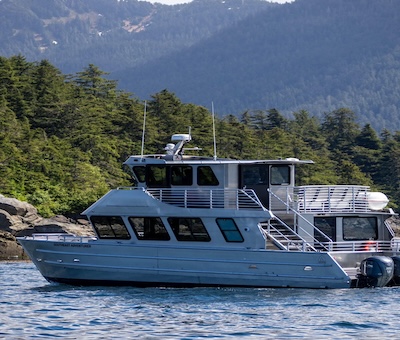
x=151 y=180
x=374 y=228
x=271 y=174
x=213 y=180
x=185 y=179
x=176 y=222
x=224 y=231
x=111 y=229
x=333 y=227
x=165 y=236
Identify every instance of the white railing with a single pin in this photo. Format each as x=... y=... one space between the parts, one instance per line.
x=56 y=237
x=336 y=198
x=364 y=246
x=237 y=199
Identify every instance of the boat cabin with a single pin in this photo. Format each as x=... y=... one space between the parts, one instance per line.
x=324 y=216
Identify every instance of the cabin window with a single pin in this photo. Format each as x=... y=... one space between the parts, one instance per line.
x=149 y=228
x=229 y=229
x=189 y=229
x=140 y=173
x=205 y=176
x=254 y=174
x=328 y=226
x=280 y=174
x=110 y=227
x=157 y=176
x=360 y=228
x=181 y=175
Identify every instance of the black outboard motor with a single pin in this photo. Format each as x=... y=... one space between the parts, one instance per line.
x=376 y=271
x=396 y=273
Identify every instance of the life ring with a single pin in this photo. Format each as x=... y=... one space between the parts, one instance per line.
x=370 y=246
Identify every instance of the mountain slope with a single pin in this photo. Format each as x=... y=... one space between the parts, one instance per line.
x=312 y=54
x=111 y=34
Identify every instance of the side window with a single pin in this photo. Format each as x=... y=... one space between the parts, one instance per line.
x=110 y=227
x=205 y=176
x=229 y=229
x=254 y=174
x=280 y=174
x=328 y=226
x=140 y=173
x=149 y=228
x=156 y=176
x=181 y=175
x=360 y=228
x=189 y=229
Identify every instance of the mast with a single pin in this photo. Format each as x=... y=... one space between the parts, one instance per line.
x=214 y=141
x=144 y=127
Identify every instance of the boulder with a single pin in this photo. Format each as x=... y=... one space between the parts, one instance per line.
x=21 y=219
x=16 y=207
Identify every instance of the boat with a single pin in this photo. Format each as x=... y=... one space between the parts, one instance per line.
x=190 y=220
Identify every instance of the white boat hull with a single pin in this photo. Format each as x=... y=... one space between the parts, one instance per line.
x=102 y=263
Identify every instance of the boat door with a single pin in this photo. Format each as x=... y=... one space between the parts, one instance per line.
x=279 y=178
x=256 y=177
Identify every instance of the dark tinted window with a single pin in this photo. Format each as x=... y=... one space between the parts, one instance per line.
x=254 y=174
x=328 y=226
x=280 y=174
x=360 y=228
x=156 y=176
x=140 y=173
x=205 y=176
x=110 y=227
x=229 y=229
x=189 y=229
x=149 y=228
x=181 y=175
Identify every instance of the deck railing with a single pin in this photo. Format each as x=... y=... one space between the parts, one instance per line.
x=364 y=246
x=208 y=198
x=324 y=198
x=335 y=198
x=61 y=237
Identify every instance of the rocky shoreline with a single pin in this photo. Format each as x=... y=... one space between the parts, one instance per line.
x=19 y=218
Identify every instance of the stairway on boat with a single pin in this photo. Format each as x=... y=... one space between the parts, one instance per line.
x=282 y=236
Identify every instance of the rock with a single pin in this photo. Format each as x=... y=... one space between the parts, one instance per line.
x=16 y=207
x=9 y=247
x=21 y=219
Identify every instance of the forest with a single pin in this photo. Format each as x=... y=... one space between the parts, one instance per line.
x=63 y=138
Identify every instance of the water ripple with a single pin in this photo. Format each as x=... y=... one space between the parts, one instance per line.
x=32 y=308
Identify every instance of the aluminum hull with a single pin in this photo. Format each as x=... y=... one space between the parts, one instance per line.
x=101 y=263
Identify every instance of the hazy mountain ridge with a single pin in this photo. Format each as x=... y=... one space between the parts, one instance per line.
x=109 y=33
x=317 y=55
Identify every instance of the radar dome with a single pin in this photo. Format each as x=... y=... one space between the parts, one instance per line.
x=377 y=200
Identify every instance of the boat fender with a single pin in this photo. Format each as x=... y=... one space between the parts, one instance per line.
x=396 y=272
x=376 y=271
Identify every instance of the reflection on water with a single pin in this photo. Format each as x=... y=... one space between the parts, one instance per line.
x=32 y=308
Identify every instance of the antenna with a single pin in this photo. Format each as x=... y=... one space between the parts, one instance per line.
x=213 y=120
x=144 y=127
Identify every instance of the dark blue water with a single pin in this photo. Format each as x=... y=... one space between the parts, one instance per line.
x=31 y=308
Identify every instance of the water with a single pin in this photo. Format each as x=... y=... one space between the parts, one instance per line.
x=31 y=308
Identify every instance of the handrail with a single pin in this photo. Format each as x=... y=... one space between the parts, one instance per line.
x=389 y=228
x=304 y=244
x=332 y=198
x=237 y=199
x=60 y=237
x=329 y=240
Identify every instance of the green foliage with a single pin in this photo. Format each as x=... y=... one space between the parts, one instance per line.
x=62 y=142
